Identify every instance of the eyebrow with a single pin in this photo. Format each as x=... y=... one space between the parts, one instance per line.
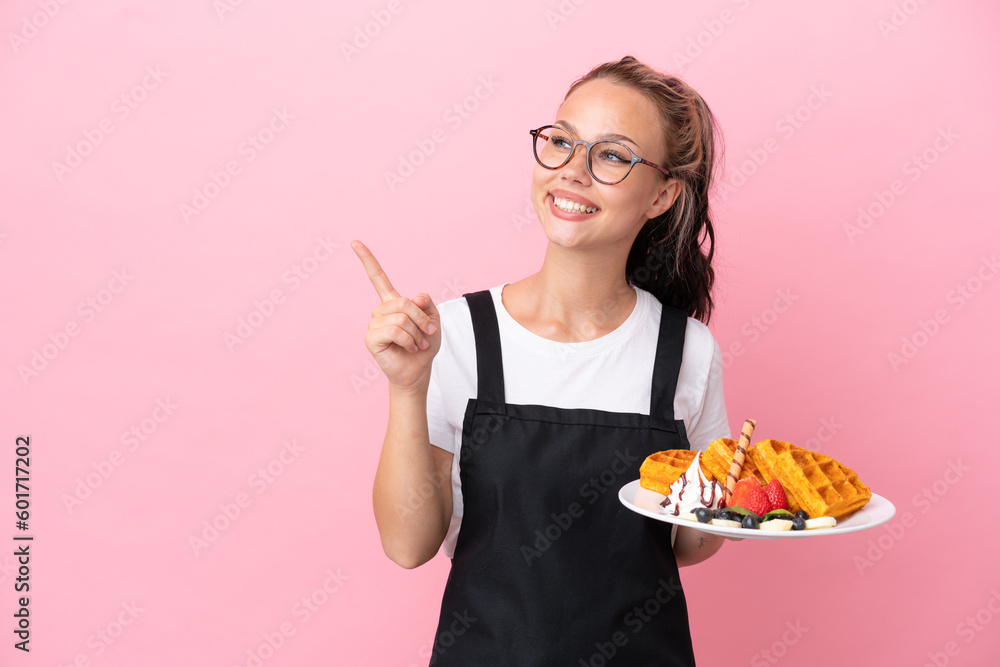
x=611 y=135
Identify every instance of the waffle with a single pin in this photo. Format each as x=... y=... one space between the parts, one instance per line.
x=814 y=482
x=662 y=469
x=716 y=458
x=767 y=471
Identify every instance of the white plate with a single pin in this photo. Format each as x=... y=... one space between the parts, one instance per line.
x=875 y=513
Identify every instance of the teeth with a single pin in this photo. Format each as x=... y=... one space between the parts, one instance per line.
x=572 y=206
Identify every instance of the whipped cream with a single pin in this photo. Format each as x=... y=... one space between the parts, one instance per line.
x=691 y=491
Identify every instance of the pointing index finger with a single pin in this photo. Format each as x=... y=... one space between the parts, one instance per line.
x=375 y=273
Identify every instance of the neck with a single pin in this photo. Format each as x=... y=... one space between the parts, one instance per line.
x=575 y=296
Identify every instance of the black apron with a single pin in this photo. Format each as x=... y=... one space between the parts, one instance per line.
x=550 y=568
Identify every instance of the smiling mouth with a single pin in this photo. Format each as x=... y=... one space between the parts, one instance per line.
x=572 y=206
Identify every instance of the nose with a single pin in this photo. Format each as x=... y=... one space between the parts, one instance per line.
x=576 y=168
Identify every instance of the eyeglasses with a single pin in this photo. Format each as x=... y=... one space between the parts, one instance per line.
x=609 y=162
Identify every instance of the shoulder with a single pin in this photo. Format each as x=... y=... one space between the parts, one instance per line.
x=699 y=343
x=456 y=315
x=457 y=310
x=454 y=309
x=457 y=334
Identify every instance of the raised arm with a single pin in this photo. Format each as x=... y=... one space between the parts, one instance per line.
x=411 y=495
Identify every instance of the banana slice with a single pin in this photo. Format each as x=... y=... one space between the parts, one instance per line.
x=821 y=522
x=776 y=524
x=689 y=516
x=725 y=523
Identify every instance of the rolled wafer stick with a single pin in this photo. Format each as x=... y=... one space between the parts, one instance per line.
x=739 y=456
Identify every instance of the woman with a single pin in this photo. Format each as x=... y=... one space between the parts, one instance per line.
x=546 y=394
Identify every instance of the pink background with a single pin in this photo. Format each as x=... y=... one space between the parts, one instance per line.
x=811 y=305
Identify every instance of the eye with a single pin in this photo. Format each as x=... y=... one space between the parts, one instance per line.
x=613 y=155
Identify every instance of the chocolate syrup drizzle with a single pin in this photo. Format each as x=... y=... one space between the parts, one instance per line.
x=712 y=486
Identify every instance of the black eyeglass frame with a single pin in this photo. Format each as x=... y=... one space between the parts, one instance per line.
x=588 y=145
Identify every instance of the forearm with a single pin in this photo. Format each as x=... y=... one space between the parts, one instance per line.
x=407 y=497
x=693 y=546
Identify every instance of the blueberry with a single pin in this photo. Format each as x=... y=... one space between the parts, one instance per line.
x=725 y=515
x=703 y=514
x=802 y=515
x=751 y=522
x=798 y=523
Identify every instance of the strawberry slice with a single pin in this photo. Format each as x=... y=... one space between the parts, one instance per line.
x=740 y=491
x=776 y=494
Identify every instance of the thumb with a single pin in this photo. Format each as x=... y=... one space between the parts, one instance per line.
x=426 y=304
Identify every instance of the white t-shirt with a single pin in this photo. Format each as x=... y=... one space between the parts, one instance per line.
x=613 y=373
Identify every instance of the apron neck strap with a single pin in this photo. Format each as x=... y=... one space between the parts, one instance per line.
x=669 y=351
x=489 y=361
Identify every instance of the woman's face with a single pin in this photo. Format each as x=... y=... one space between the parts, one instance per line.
x=596 y=110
